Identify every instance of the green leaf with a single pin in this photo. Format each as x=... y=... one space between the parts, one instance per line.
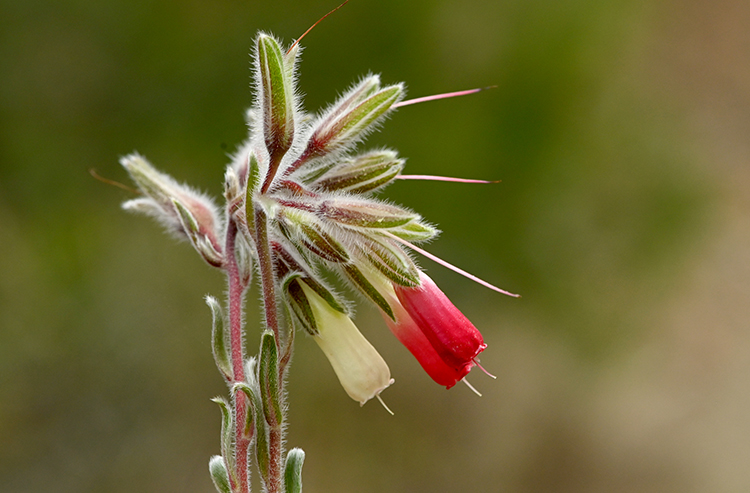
x=268 y=379
x=293 y=470
x=227 y=438
x=220 y=339
x=219 y=474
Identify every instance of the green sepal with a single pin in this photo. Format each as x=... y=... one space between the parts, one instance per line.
x=363 y=173
x=293 y=470
x=219 y=474
x=253 y=179
x=347 y=124
x=277 y=98
x=227 y=438
x=365 y=213
x=298 y=271
x=391 y=261
x=268 y=380
x=220 y=339
x=300 y=306
x=415 y=231
x=360 y=282
x=305 y=227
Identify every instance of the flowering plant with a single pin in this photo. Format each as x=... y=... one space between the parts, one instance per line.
x=299 y=201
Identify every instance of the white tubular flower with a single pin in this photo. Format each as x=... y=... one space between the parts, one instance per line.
x=361 y=370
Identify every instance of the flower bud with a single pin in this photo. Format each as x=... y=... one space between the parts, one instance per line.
x=363 y=173
x=364 y=213
x=350 y=120
x=179 y=208
x=276 y=98
x=361 y=370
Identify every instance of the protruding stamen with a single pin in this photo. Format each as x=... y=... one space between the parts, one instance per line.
x=435 y=97
x=471 y=386
x=443 y=178
x=476 y=362
x=451 y=266
x=377 y=396
x=311 y=27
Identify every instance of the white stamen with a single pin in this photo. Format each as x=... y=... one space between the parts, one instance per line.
x=377 y=396
x=476 y=362
x=450 y=266
x=471 y=387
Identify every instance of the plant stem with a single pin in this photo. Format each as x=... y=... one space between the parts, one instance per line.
x=274 y=480
x=236 y=305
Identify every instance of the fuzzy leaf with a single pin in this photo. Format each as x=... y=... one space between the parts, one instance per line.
x=220 y=339
x=219 y=474
x=293 y=470
x=227 y=438
x=268 y=379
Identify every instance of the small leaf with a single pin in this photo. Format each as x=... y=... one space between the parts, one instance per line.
x=255 y=415
x=220 y=338
x=268 y=379
x=227 y=438
x=293 y=470
x=219 y=474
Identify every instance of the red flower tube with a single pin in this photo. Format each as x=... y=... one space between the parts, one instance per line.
x=453 y=337
x=411 y=336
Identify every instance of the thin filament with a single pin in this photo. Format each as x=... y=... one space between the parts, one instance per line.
x=311 y=27
x=471 y=386
x=476 y=362
x=443 y=178
x=435 y=97
x=383 y=404
x=451 y=266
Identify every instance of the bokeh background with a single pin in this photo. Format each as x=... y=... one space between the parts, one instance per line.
x=620 y=131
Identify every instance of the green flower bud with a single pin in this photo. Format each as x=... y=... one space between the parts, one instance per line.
x=363 y=173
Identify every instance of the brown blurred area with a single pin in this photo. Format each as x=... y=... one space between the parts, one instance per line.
x=620 y=131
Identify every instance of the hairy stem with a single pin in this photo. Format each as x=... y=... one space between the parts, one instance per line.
x=236 y=305
x=275 y=479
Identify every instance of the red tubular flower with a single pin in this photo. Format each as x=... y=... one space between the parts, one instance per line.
x=410 y=335
x=452 y=336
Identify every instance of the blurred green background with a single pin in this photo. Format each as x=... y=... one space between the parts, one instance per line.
x=620 y=131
